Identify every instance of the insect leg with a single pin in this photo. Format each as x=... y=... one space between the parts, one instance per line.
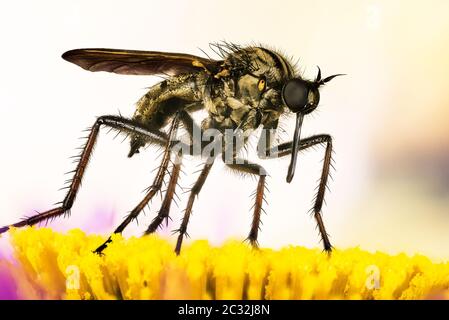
x=193 y=193
x=153 y=189
x=111 y=121
x=190 y=126
x=246 y=167
x=164 y=211
x=285 y=149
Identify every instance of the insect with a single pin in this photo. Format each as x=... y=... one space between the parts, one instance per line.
x=246 y=88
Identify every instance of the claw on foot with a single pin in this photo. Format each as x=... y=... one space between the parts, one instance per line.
x=100 y=249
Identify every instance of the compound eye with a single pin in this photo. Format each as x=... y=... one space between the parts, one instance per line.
x=295 y=94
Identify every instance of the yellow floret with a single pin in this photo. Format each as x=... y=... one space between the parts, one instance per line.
x=63 y=266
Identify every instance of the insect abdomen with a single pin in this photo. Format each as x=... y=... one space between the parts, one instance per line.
x=162 y=100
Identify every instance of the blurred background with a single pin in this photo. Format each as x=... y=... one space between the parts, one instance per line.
x=388 y=116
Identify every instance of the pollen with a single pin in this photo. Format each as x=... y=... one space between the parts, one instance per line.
x=52 y=265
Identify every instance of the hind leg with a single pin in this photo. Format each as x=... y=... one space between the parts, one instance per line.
x=164 y=211
x=190 y=126
x=193 y=194
x=114 y=122
x=153 y=189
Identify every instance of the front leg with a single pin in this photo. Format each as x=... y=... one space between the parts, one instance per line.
x=285 y=149
x=246 y=167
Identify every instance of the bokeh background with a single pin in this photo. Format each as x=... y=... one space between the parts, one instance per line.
x=388 y=116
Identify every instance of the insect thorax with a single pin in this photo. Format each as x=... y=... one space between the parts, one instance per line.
x=246 y=92
x=234 y=95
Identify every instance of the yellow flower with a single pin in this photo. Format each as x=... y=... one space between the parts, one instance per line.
x=62 y=266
